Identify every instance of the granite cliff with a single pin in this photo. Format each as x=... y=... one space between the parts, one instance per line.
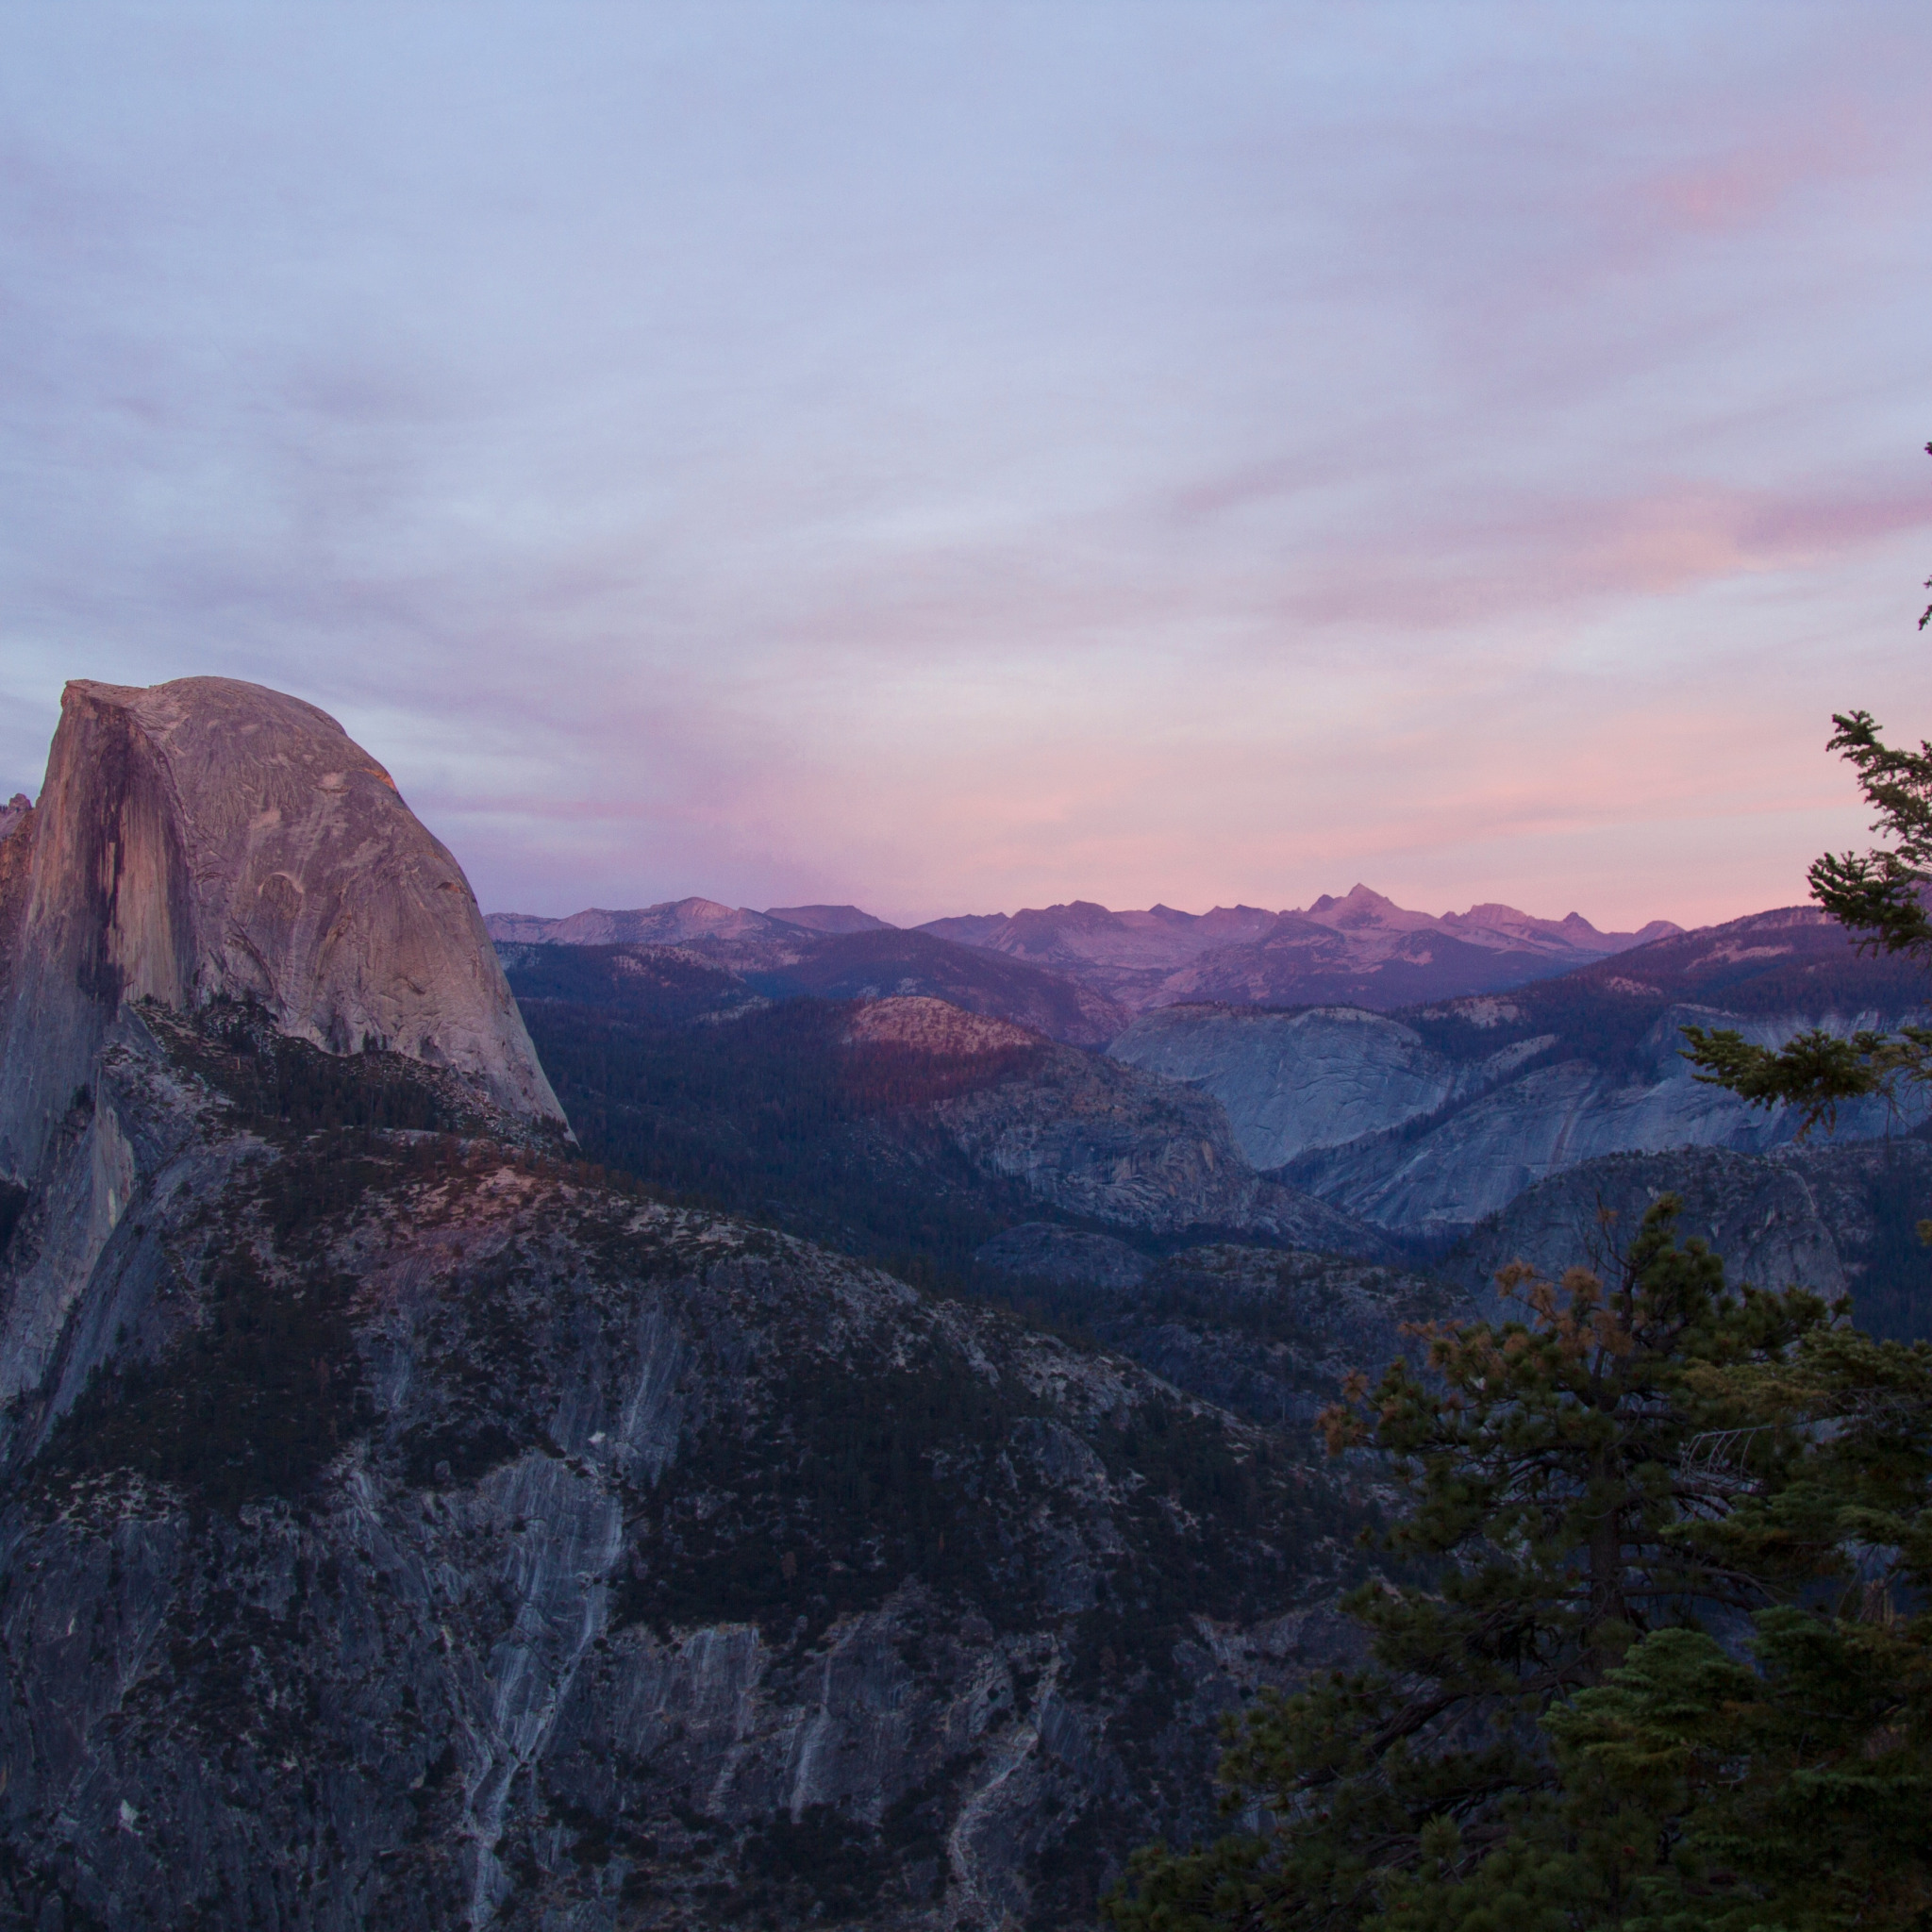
x=209 y=838
x=1839 y=1218
x=1426 y=1120
x=405 y=1523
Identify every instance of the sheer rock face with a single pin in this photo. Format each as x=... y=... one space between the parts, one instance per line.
x=1361 y=1109
x=211 y=837
x=1837 y=1219
x=16 y=867
x=1318 y=1079
x=438 y=1538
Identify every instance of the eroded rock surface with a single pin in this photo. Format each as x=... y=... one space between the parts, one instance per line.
x=209 y=838
x=1094 y=1136
x=1374 y=1116
x=1837 y=1218
x=1291 y=1082
x=407 y=1530
x=1555 y=1116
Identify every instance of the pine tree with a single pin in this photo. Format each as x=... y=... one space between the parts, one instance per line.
x=1570 y=1475
x=1791 y=1779
x=1879 y=896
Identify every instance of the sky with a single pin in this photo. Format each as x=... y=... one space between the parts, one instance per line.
x=953 y=457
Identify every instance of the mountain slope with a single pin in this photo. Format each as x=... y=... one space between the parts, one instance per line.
x=832 y=919
x=889 y=964
x=1428 y=1120
x=1267 y=1334
x=404 y=1523
x=869 y=964
x=448 y=1539
x=906 y=1128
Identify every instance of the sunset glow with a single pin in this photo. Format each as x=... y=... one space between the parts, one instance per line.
x=958 y=457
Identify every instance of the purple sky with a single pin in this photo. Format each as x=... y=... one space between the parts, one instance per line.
x=955 y=457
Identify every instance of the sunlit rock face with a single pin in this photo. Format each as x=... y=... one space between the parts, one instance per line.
x=1316 y=1079
x=209 y=837
x=1362 y=1110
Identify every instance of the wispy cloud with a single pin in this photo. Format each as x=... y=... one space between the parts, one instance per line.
x=958 y=456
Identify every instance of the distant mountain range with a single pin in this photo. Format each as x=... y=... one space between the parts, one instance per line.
x=656 y=982
x=1417 y=1121
x=1359 y=950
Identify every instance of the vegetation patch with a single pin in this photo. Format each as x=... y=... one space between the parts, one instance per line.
x=821 y=1865
x=14 y=1200
x=253 y=1403
x=767 y=1117
x=835 y=1491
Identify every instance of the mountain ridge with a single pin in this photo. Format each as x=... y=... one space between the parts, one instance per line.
x=1360 y=947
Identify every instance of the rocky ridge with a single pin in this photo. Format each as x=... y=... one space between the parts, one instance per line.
x=1098 y=1139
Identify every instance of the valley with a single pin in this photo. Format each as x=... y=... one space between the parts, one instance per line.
x=716 y=1418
